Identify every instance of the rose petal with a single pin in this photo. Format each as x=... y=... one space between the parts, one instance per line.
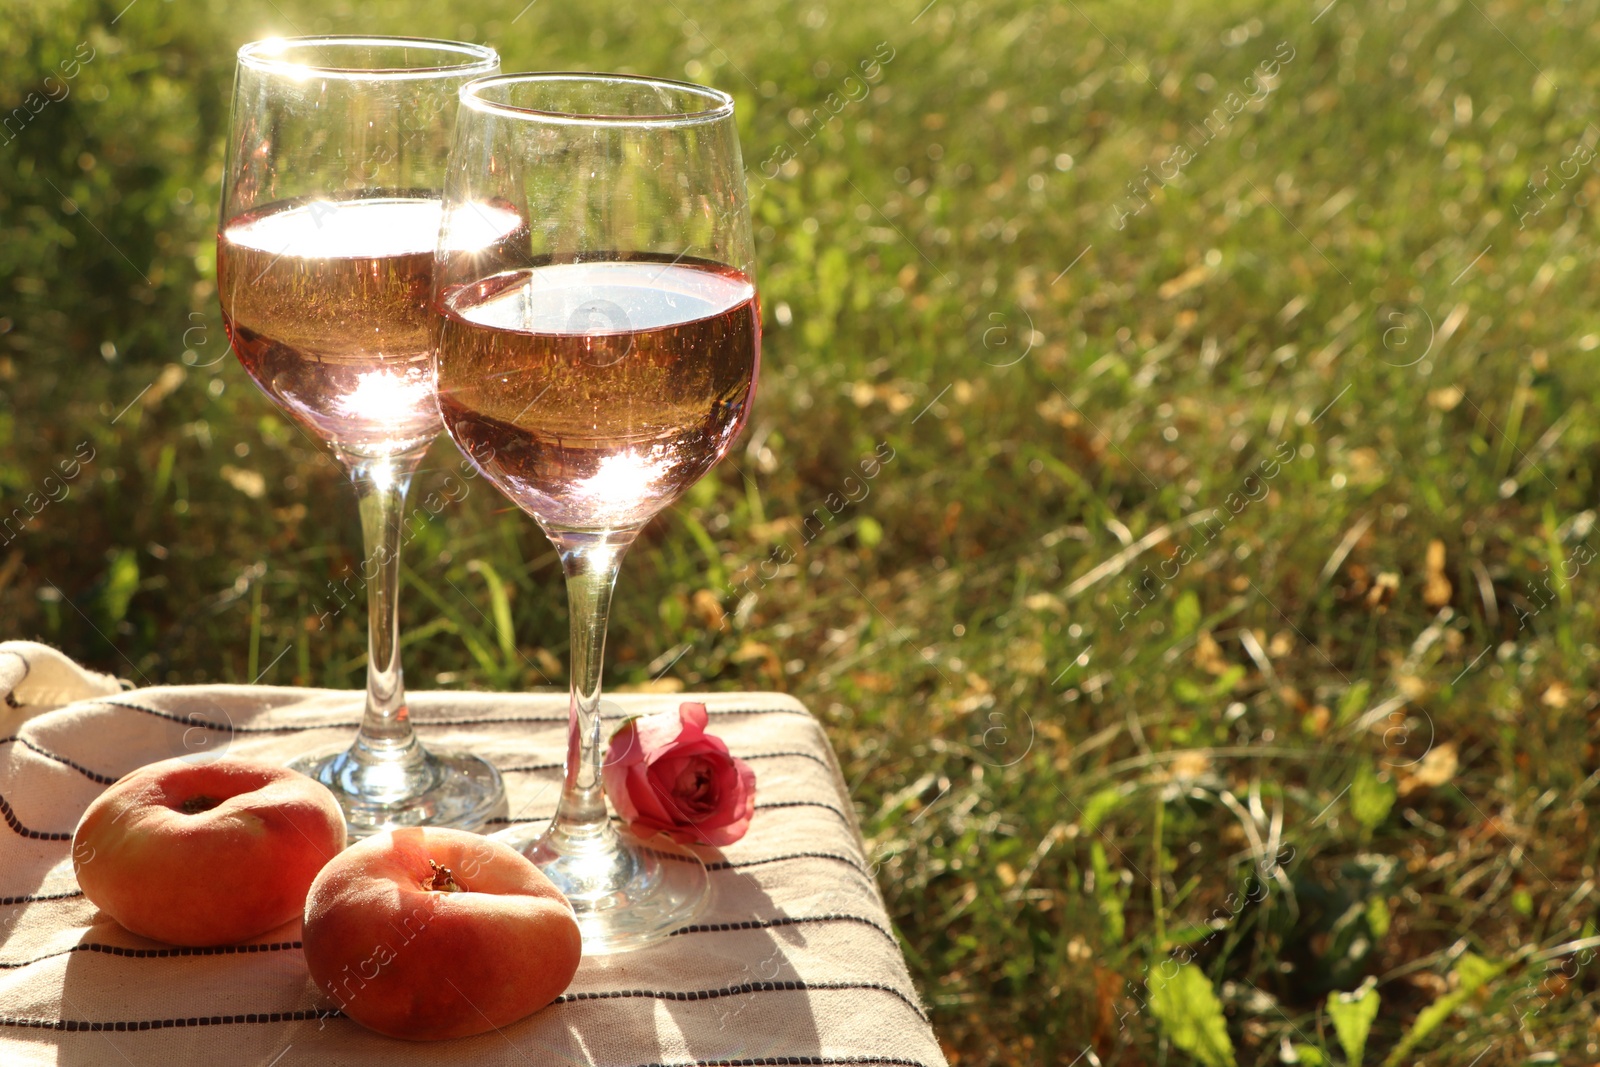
x=622 y=754
x=652 y=806
x=625 y=747
x=739 y=806
x=658 y=733
x=699 y=750
x=684 y=811
x=616 y=786
x=695 y=719
x=691 y=781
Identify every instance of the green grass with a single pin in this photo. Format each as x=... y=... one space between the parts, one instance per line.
x=1133 y=652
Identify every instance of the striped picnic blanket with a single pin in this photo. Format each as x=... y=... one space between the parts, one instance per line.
x=793 y=962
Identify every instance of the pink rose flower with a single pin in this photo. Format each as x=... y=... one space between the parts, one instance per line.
x=665 y=774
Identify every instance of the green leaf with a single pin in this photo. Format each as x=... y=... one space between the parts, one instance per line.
x=832 y=279
x=1352 y=1015
x=122 y=581
x=1378 y=917
x=1309 y=1055
x=703 y=493
x=1522 y=903
x=481 y=655
x=1470 y=974
x=1101 y=804
x=671 y=612
x=499 y=609
x=1185 y=614
x=1188 y=934
x=868 y=531
x=1189 y=1013
x=1355 y=699
x=1108 y=894
x=1226 y=681
x=715 y=575
x=163 y=475
x=1370 y=797
x=1472 y=971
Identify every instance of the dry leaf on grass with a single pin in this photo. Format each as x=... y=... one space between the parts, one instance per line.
x=1044 y=602
x=1208 y=654
x=1189 y=765
x=708 y=609
x=1446 y=399
x=250 y=483
x=751 y=651
x=1437 y=767
x=1383 y=591
x=657 y=685
x=1184 y=282
x=1436 y=588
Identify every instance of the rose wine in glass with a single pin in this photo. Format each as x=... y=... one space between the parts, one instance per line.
x=676 y=380
x=331 y=217
x=594 y=381
x=329 y=307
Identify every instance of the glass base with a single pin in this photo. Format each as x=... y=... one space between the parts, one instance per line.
x=625 y=894
x=432 y=787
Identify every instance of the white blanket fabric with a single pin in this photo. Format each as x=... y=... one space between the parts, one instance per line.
x=794 y=961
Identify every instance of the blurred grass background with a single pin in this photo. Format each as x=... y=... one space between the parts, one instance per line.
x=1213 y=662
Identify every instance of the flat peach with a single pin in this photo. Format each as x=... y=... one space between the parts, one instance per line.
x=428 y=933
x=206 y=854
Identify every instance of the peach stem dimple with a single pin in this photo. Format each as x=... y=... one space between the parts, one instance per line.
x=195 y=805
x=443 y=880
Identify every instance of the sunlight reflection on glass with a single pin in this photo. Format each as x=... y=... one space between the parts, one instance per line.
x=478 y=225
x=621 y=481
x=379 y=395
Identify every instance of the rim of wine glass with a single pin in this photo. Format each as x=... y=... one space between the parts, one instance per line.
x=722 y=103
x=482 y=59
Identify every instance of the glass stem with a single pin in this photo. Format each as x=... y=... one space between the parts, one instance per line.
x=591 y=561
x=386 y=735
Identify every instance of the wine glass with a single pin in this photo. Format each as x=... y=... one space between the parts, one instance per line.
x=330 y=219
x=593 y=377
